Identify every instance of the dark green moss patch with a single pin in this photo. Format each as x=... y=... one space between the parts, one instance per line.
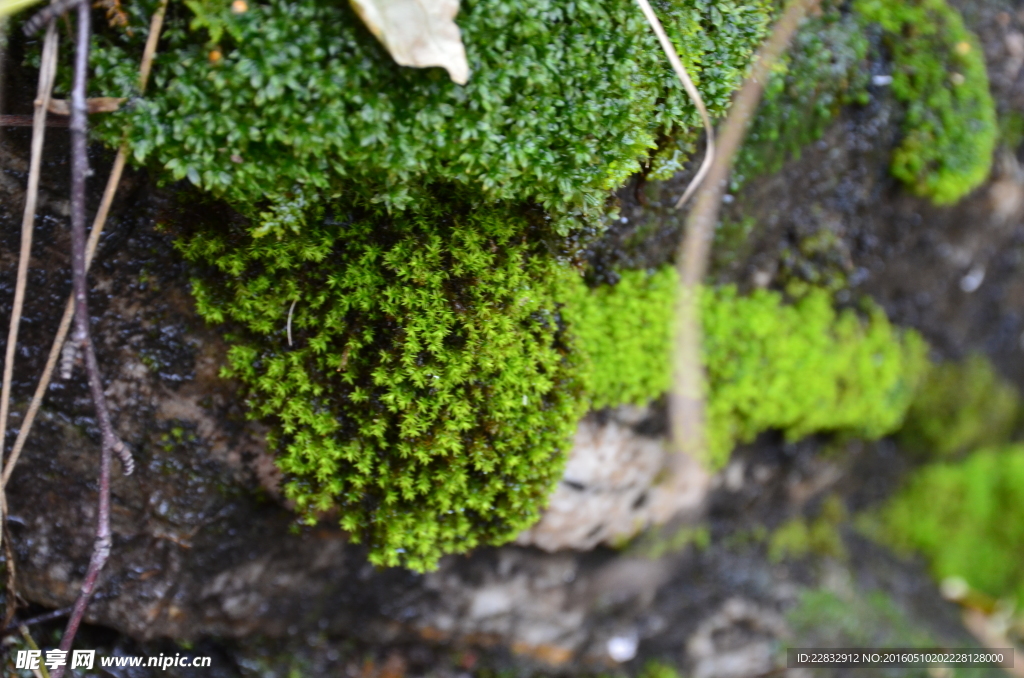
x=563 y=102
x=939 y=75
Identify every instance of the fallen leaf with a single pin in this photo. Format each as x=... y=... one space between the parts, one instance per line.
x=418 y=33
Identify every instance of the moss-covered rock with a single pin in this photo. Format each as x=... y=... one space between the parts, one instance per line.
x=802 y=368
x=939 y=75
x=965 y=518
x=563 y=102
x=415 y=367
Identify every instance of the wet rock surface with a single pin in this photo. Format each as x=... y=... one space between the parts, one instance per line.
x=205 y=553
x=617 y=483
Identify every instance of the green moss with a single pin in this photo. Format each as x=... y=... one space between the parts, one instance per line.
x=658 y=542
x=657 y=669
x=799 y=537
x=563 y=102
x=960 y=407
x=822 y=72
x=966 y=518
x=816 y=261
x=624 y=335
x=802 y=368
x=950 y=131
x=429 y=393
x=1011 y=130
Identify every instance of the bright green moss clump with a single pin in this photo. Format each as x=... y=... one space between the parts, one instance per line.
x=967 y=519
x=429 y=394
x=624 y=335
x=939 y=74
x=563 y=102
x=960 y=407
x=802 y=368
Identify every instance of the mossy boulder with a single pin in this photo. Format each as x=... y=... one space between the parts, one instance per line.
x=965 y=518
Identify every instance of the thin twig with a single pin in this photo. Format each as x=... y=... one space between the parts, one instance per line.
x=155 y=26
x=687 y=400
x=111 y=443
x=26 y=121
x=13 y=627
x=47 y=69
x=691 y=89
x=12 y=594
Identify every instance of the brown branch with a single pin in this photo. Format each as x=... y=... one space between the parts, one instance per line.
x=92 y=105
x=26 y=121
x=110 y=443
x=47 y=14
x=12 y=594
x=687 y=400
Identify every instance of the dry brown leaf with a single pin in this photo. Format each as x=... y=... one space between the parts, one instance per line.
x=418 y=33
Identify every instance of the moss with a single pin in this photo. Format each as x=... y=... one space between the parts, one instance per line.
x=429 y=393
x=799 y=537
x=657 y=669
x=816 y=261
x=1011 y=130
x=624 y=335
x=563 y=102
x=802 y=368
x=658 y=542
x=822 y=72
x=950 y=131
x=960 y=407
x=966 y=518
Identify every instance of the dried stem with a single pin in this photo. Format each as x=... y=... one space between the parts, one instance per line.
x=12 y=600
x=41 y=672
x=687 y=400
x=691 y=89
x=26 y=121
x=47 y=69
x=155 y=26
x=45 y=88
